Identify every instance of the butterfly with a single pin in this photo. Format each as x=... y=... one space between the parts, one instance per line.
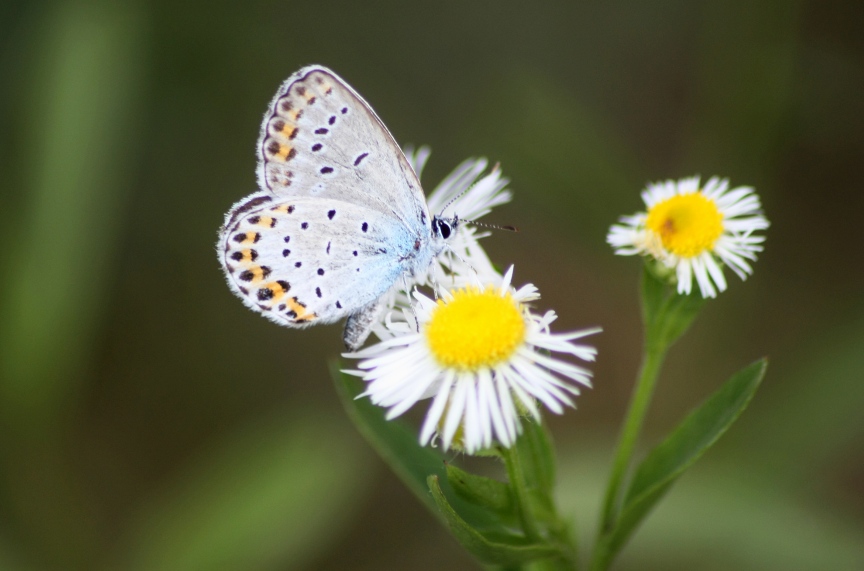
x=340 y=216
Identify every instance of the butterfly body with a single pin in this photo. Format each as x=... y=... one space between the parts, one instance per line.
x=340 y=216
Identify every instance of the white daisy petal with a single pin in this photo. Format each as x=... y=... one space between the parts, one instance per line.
x=454 y=413
x=685 y=277
x=495 y=407
x=714 y=271
x=472 y=429
x=705 y=285
x=433 y=417
x=508 y=410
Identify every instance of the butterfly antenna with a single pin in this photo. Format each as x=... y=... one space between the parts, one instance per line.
x=454 y=199
x=491 y=226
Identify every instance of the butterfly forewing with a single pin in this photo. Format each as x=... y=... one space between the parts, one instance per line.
x=319 y=138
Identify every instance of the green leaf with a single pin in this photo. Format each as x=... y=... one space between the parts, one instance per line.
x=499 y=549
x=398 y=447
x=538 y=455
x=537 y=458
x=482 y=491
x=698 y=432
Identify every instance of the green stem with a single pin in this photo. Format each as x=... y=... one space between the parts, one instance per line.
x=516 y=475
x=666 y=316
x=642 y=393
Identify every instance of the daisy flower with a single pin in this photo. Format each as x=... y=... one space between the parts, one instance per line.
x=694 y=230
x=483 y=357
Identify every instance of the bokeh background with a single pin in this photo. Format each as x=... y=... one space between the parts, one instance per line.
x=149 y=421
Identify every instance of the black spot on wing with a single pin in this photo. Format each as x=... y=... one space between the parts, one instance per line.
x=265 y=293
x=360 y=158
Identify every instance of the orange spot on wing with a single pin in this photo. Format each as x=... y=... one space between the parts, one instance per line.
x=303 y=315
x=284 y=151
x=277 y=289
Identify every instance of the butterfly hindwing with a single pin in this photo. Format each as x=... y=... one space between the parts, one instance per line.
x=308 y=260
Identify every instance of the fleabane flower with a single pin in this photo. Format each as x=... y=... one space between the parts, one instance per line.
x=483 y=357
x=694 y=230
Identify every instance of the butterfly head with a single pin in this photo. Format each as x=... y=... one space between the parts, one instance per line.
x=443 y=228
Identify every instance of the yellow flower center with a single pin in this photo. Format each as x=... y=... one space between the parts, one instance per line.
x=477 y=328
x=688 y=224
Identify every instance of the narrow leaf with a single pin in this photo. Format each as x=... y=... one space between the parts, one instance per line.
x=398 y=447
x=696 y=434
x=504 y=549
x=538 y=456
x=482 y=491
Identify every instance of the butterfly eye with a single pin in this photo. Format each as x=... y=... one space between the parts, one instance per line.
x=442 y=227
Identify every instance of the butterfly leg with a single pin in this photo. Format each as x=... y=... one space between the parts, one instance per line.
x=358 y=326
x=408 y=292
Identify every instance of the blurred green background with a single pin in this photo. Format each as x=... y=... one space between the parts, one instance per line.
x=149 y=421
